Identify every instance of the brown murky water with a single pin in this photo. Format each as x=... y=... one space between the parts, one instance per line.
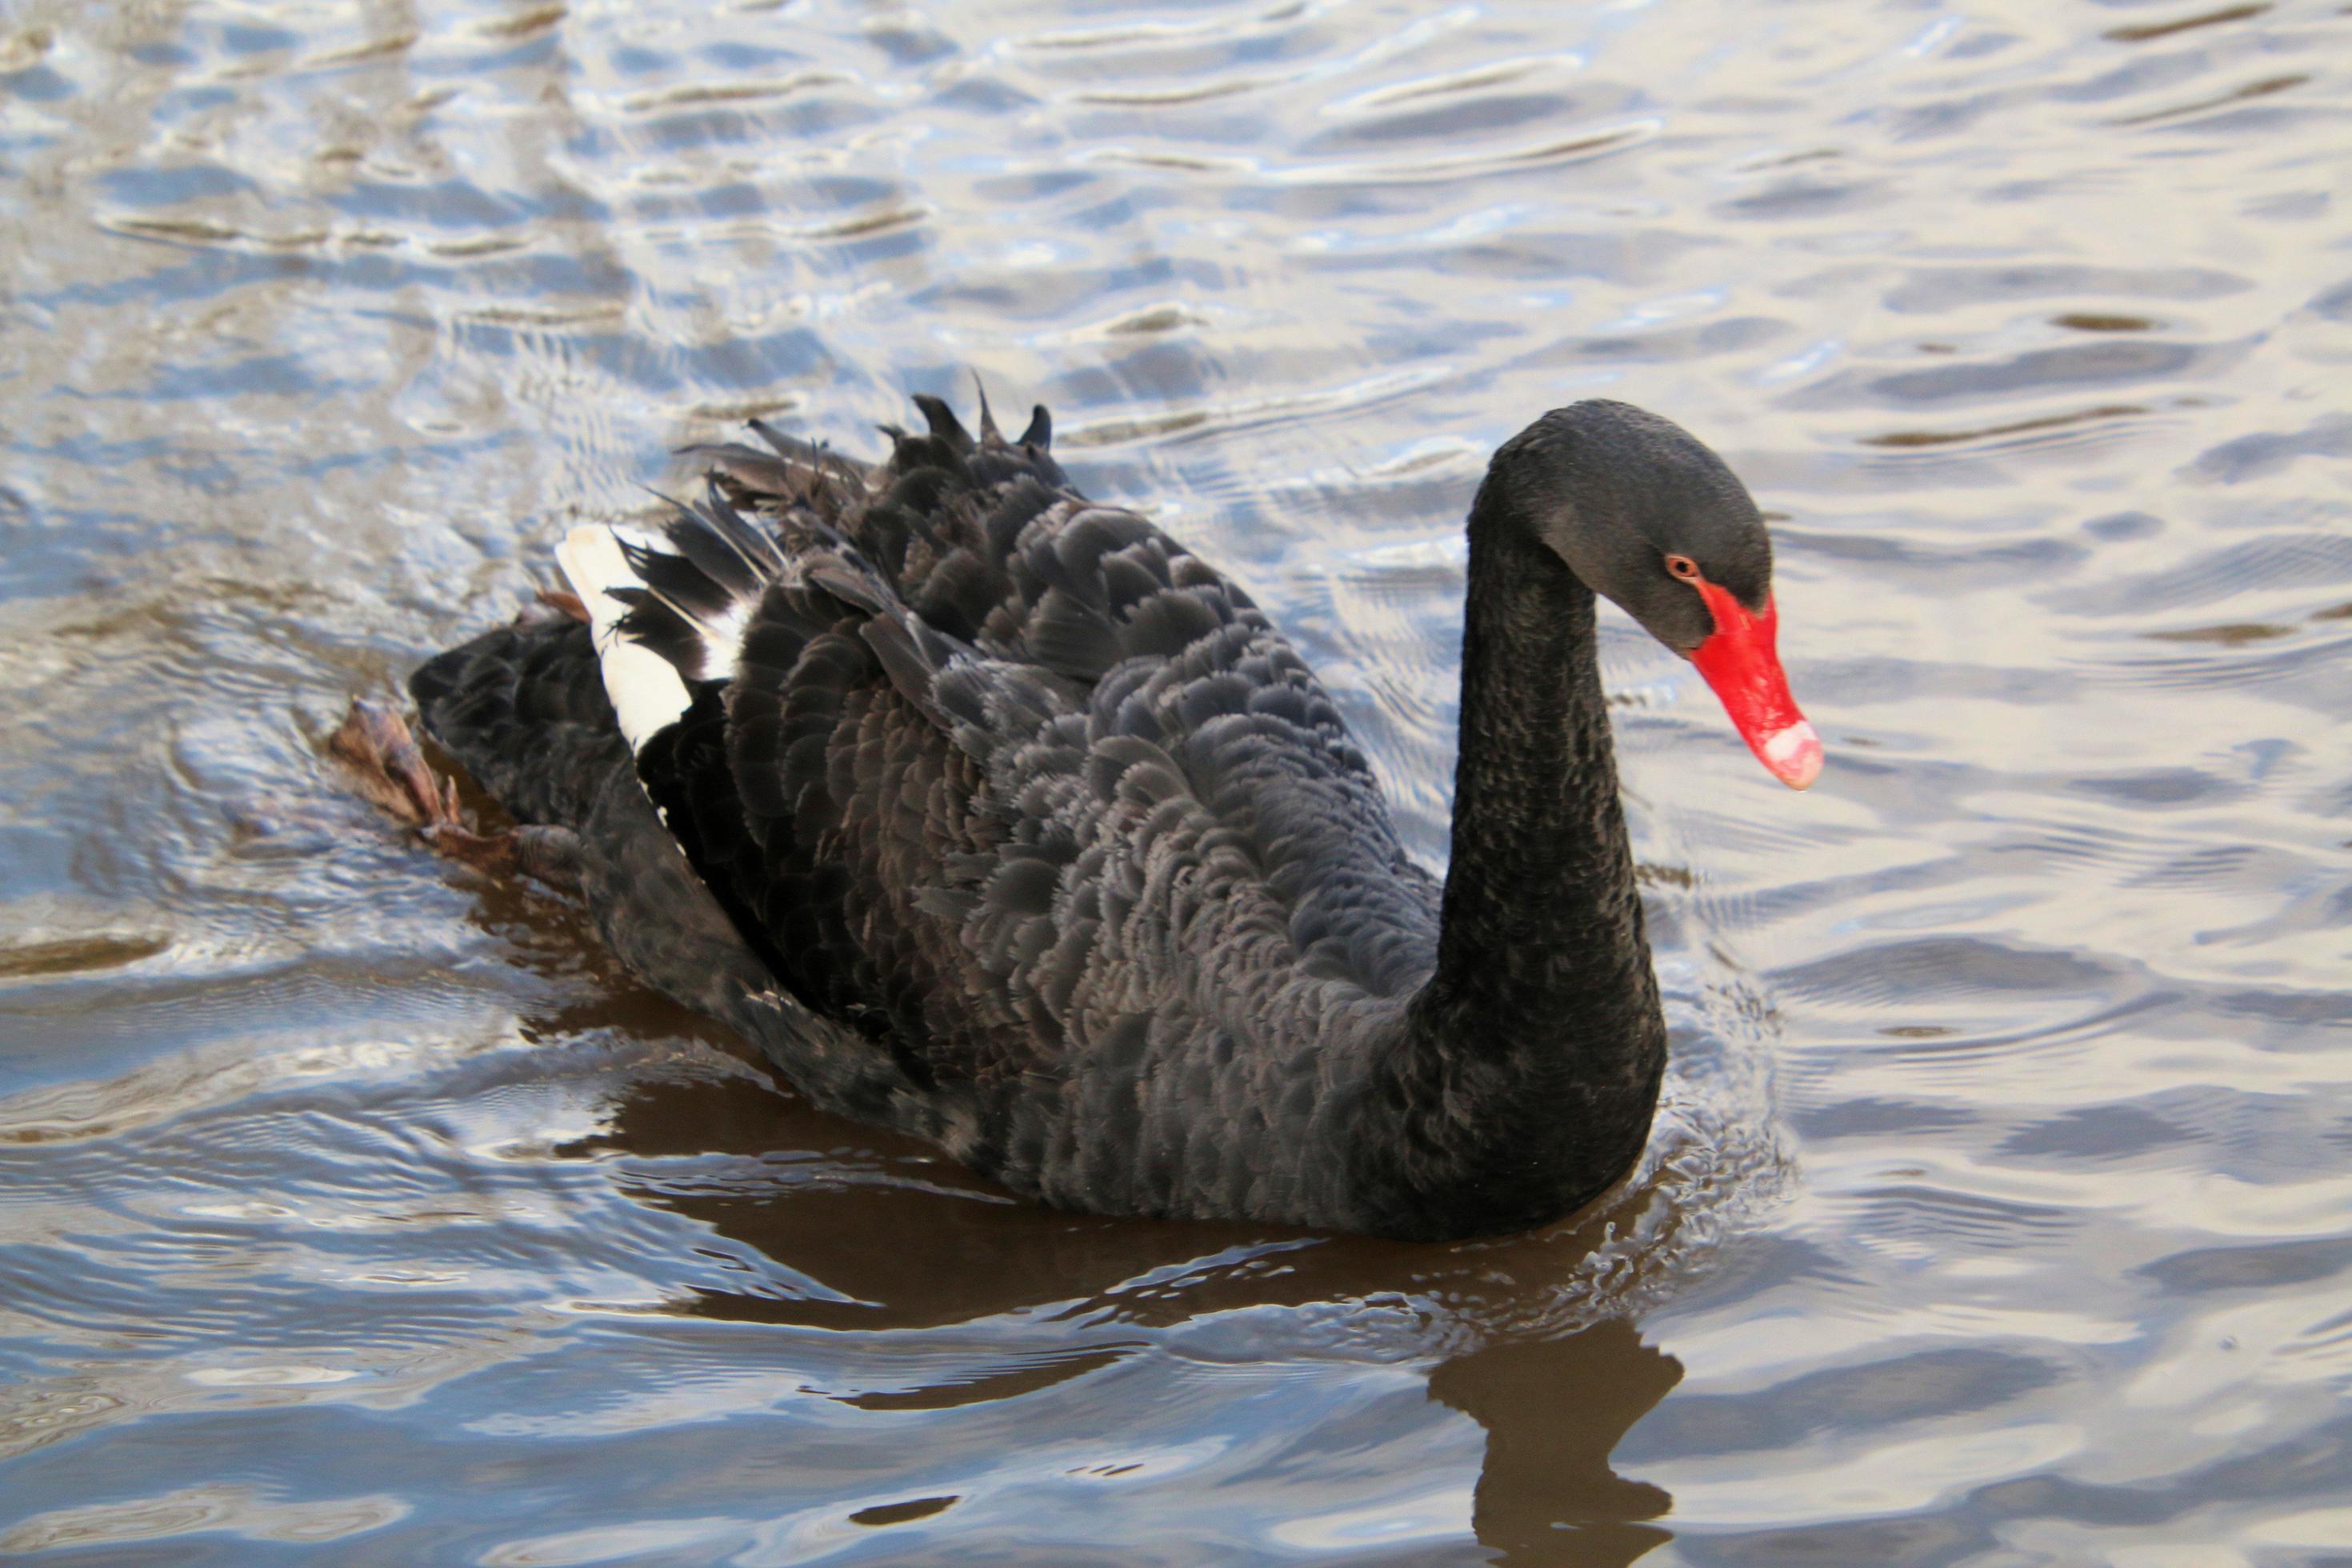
x=356 y=1211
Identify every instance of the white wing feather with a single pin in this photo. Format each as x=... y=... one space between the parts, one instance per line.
x=646 y=691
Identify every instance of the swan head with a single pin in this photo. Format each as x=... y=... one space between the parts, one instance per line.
x=1652 y=520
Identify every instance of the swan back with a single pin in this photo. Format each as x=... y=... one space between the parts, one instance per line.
x=1019 y=794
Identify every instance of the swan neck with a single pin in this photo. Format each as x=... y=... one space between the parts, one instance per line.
x=1540 y=1026
x=1541 y=909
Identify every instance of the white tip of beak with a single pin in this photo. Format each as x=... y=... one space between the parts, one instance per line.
x=1794 y=754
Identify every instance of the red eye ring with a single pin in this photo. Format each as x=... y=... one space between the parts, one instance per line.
x=1684 y=567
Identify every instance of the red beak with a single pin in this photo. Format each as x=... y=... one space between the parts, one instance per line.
x=1741 y=662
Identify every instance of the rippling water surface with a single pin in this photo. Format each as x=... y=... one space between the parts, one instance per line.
x=355 y=1210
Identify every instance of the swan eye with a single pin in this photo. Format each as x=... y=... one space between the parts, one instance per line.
x=1684 y=567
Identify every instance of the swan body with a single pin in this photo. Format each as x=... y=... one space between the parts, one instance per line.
x=997 y=817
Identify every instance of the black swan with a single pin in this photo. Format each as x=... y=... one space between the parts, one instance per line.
x=997 y=817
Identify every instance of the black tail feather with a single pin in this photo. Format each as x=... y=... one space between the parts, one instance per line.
x=989 y=433
x=945 y=427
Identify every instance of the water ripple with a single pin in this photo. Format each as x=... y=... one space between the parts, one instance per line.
x=1995 y=1209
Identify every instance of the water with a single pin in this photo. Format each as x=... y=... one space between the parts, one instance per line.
x=358 y=1211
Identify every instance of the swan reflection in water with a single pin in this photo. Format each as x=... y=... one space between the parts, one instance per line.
x=861 y=1233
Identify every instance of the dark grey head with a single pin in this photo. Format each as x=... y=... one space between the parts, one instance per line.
x=1646 y=516
x=1621 y=493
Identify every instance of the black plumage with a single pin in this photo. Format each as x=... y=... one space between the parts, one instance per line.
x=998 y=817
